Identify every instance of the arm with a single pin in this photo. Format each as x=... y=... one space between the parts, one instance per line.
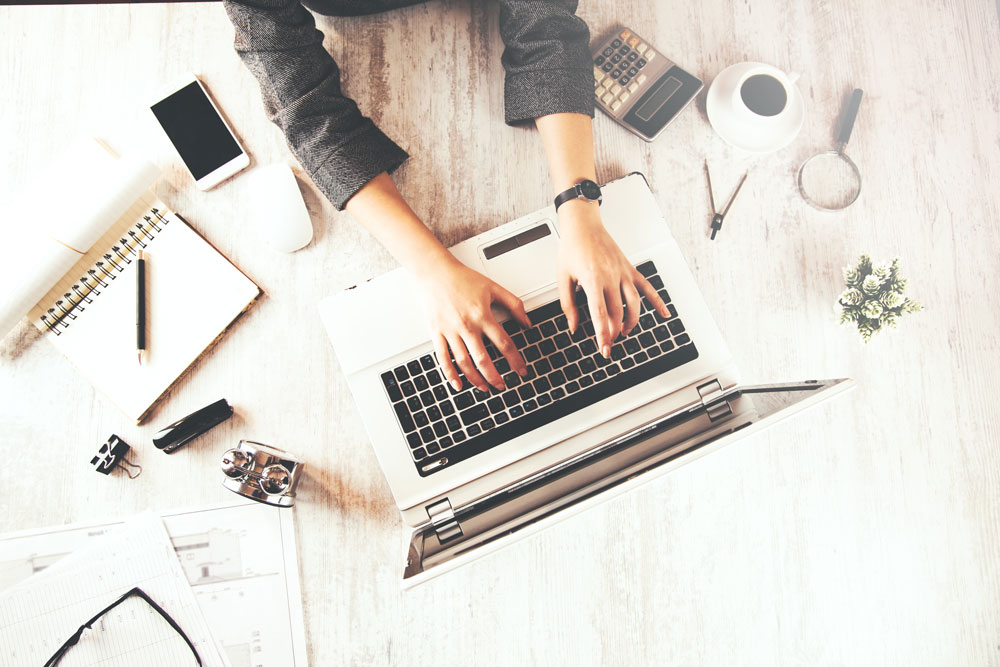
x=300 y=84
x=588 y=256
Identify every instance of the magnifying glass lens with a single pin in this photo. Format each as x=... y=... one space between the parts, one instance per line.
x=830 y=181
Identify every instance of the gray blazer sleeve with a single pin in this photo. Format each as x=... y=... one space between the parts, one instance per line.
x=300 y=82
x=547 y=59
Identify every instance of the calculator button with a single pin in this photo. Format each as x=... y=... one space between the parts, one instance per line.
x=650 y=55
x=607 y=67
x=634 y=41
x=624 y=80
x=632 y=87
x=640 y=63
x=624 y=97
x=615 y=44
x=624 y=50
x=616 y=105
x=615 y=73
x=608 y=82
x=626 y=34
x=641 y=49
x=598 y=74
x=616 y=58
x=607 y=98
x=632 y=57
x=599 y=93
x=607 y=52
x=599 y=60
x=632 y=71
x=641 y=79
x=615 y=89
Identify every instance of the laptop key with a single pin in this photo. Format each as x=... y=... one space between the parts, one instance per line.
x=427 y=361
x=600 y=360
x=401 y=373
x=427 y=434
x=532 y=336
x=502 y=366
x=579 y=335
x=420 y=419
x=419 y=454
x=557 y=378
x=474 y=414
x=434 y=413
x=647 y=322
x=599 y=376
x=501 y=418
x=647 y=269
x=631 y=345
x=440 y=429
x=530 y=405
x=434 y=377
x=391 y=386
x=641 y=358
x=558 y=360
x=588 y=366
x=453 y=423
x=414 y=441
x=408 y=388
x=573 y=354
x=474 y=430
x=561 y=340
x=617 y=352
x=495 y=405
x=572 y=372
x=612 y=369
x=683 y=339
x=532 y=353
x=646 y=339
x=548 y=328
x=627 y=363
x=675 y=327
x=558 y=393
x=586 y=381
x=445 y=442
x=414 y=403
x=518 y=340
x=464 y=400
x=572 y=387
x=440 y=393
x=588 y=346
x=526 y=391
x=516 y=411
x=486 y=424
x=667 y=345
x=541 y=385
x=511 y=398
x=459 y=436
x=414 y=367
x=561 y=323
x=433 y=448
x=511 y=380
x=427 y=398
x=480 y=395
x=544 y=399
x=511 y=327
x=446 y=408
x=542 y=366
x=547 y=347
x=661 y=333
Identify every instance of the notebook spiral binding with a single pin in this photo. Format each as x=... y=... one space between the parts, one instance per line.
x=62 y=313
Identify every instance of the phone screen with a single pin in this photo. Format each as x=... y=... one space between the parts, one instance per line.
x=196 y=130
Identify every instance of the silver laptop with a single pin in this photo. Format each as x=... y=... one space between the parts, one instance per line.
x=473 y=471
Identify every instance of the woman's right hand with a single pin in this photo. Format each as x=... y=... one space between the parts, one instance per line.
x=458 y=302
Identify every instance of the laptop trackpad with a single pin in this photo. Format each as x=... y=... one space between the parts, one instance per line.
x=524 y=262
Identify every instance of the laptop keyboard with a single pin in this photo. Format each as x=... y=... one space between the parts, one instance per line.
x=566 y=373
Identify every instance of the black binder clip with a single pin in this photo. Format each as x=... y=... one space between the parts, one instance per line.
x=112 y=455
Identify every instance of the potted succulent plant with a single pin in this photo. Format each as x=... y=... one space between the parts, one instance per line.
x=874 y=299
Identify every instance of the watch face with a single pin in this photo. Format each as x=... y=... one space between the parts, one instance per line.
x=590 y=190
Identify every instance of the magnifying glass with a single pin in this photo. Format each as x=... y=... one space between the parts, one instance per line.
x=830 y=180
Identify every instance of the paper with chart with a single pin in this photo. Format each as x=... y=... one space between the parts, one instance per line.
x=40 y=613
x=240 y=561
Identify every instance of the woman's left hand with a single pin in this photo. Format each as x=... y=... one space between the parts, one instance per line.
x=590 y=258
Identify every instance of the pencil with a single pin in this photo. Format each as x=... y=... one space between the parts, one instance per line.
x=140 y=305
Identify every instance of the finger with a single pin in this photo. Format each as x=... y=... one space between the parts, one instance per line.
x=512 y=304
x=465 y=362
x=599 y=316
x=444 y=359
x=496 y=333
x=650 y=293
x=567 y=302
x=613 y=299
x=481 y=358
x=632 y=306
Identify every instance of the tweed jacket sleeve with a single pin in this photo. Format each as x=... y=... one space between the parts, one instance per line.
x=545 y=57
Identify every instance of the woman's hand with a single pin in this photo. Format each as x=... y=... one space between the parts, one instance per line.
x=458 y=303
x=589 y=257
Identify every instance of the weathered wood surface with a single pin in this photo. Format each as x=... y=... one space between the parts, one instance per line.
x=863 y=533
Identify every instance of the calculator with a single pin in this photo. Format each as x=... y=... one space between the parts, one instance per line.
x=638 y=86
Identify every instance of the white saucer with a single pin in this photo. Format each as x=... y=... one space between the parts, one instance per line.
x=755 y=138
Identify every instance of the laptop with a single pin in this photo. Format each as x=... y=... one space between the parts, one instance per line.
x=471 y=471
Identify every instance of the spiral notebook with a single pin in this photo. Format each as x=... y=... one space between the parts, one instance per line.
x=88 y=310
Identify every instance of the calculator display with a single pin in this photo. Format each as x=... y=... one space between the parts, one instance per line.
x=658 y=98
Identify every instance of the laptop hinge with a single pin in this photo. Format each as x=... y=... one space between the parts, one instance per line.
x=443 y=519
x=714 y=401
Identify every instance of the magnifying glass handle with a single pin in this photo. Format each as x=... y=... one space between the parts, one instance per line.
x=847 y=126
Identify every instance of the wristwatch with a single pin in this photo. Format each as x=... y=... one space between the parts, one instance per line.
x=585 y=189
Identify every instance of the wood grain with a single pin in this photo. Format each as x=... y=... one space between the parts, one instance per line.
x=863 y=533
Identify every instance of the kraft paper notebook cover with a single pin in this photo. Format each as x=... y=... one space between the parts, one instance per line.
x=80 y=275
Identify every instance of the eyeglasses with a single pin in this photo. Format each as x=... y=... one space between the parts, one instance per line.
x=138 y=592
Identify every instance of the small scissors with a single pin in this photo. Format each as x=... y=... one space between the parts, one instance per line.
x=716 y=216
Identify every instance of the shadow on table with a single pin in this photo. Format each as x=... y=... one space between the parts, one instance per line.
x=330 y=489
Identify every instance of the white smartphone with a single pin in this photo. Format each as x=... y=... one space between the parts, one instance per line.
x=204 y=141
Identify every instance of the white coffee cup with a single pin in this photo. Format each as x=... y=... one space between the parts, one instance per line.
x=755 y=106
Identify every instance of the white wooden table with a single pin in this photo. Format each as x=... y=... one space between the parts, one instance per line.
x=863 y=533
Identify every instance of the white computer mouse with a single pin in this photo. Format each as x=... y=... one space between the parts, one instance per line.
x=279 y=212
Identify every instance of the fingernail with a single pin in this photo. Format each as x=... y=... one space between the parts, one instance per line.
x=456 y=384
x=606 y=351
